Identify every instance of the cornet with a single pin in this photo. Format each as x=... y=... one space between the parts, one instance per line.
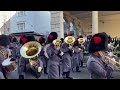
x=110 y=60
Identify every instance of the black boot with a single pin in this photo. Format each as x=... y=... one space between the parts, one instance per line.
x=45 y=70
x=81 y=64
x=68 y=75
x=4 y=73
x=64 y=75
x=77 y=69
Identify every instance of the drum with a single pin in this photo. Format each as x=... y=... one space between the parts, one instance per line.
x=9 y=66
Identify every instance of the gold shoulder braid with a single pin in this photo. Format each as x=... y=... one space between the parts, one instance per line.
x=5 y=55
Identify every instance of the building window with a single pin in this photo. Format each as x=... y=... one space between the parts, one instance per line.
x=21 y=26
x=21 y=13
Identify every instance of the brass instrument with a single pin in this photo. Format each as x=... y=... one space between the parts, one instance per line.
x=31 y=50
x=110 y=60
x=81 y=40
x=57 y=42
x=69 y=40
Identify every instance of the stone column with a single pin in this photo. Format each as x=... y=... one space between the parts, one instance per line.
x=68 y=27
x=94 y=22
x=57 y=23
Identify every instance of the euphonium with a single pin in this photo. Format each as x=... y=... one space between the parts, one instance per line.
x=69 y=40
x=31 y=50
x=57 y=42
x=81 y=40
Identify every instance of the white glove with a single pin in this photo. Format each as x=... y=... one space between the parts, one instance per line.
x=79 y=48
x=110 y=54
x=61 y=53
x=39 y=69
x=73 y=51
x=70 y=47
x=58 y=48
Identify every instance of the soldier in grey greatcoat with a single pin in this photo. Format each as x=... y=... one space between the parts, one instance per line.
x=24 y=68
x=42 y=55
x=54 y=57
x=4 y=53
x=67 y=60
x=13 y=47
x=96 y=64
x=76 y=56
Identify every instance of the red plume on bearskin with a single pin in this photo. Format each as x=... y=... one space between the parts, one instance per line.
x=24 y=40
x=40 y=39
x=21 y=37
x=50 y=36
x=97 y=40
x=69 y=34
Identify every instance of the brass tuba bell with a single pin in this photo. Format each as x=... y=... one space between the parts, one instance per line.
x=31 y=50
x=81 y=40
x=69 y=40
x=57 y=42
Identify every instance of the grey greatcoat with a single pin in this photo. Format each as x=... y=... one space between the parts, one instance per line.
x=53 y=62
x=13 y=47
x=24 y=67
x=98 y=69
x=66 y=58
x=43 y=58
x=76 y=56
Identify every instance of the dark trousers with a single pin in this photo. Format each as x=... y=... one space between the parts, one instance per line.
x=81 y=63
x=4 y=73
x=67 y=75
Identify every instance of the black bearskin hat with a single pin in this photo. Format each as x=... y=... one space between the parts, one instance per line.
x=14 y=40
x=62 y=40
x=52 y=36
x=30 y=38
x=79 y=37
x=109 y=39
x=21 y=37
x=4 y=40
x=98 y=42
x=76 y=43
x=41 y=40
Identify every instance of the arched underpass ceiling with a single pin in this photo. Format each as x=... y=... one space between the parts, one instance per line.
x=88 y=14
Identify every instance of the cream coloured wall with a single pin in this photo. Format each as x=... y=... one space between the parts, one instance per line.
x=109 y=24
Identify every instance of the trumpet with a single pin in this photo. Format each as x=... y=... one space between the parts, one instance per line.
x=110 y=60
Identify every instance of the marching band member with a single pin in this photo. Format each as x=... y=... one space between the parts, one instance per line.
x=13 y=48
x=66 y=49
x=1 y=75
x=4 y=52
x=76 y=56
x=24 y=69
x=54 y=59
x=19 y=46
x=82 y=47
x=42 y=55
x=96 y=64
